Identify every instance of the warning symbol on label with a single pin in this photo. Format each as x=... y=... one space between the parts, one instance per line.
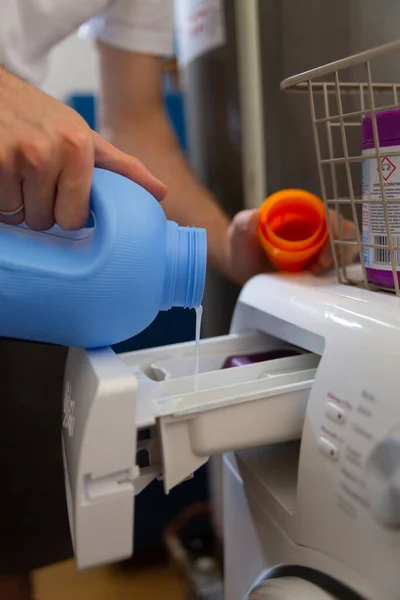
x=388 y=168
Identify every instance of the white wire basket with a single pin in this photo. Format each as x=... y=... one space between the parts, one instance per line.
x=341 y=94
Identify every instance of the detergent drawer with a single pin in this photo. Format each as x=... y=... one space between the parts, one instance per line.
x=131 y=418
x=230 y=409
x=192 y=417
x=99 y=449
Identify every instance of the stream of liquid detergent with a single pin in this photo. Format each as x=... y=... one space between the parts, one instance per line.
x=199 y=315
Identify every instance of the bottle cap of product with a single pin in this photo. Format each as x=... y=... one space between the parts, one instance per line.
x=388 y=126
x=292 y=228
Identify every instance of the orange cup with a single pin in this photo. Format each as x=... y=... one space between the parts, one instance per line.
x=292 y=228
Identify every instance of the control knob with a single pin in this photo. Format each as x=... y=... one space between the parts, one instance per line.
x=382 y=479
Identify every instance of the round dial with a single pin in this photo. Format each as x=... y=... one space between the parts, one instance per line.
x=383 y=481
x=288 y=588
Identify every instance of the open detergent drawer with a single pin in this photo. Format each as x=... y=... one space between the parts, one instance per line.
x=131 y=418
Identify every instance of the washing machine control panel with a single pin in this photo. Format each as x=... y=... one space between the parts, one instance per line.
x=382 y=478
x=362 y=452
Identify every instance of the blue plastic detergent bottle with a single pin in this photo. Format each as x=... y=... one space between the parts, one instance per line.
x=106 y=284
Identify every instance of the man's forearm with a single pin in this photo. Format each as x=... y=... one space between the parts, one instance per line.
x=188 y=201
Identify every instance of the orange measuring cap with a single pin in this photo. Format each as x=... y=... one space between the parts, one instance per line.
x=292 y=228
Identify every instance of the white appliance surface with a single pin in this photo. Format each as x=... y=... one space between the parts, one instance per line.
x=289 y=588
x=316 y=436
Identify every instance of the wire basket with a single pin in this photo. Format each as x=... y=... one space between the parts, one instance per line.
x=338 y=106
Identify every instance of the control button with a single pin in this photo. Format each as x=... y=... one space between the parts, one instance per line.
x=382 y=477
x=335 y=412
x=327 y=448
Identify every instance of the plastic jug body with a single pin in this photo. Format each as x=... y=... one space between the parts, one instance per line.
x=106 y=285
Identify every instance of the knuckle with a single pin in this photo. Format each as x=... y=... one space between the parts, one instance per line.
x=76 y=141
x=136 y=163
x=4 y=159
x=240 y=221
x=36 y=154
x=7 y=162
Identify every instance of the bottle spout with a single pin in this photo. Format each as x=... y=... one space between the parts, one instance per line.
x=186 y=263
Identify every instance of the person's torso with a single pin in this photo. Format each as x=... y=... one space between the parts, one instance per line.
x=29 y=29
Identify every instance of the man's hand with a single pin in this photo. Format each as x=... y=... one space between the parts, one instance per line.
x=47 y=156
x=247 y=258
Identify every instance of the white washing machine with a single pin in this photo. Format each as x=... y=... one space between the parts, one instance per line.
x=318 y=518
x=311 y=500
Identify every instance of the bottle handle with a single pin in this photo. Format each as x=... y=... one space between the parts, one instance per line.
x=54 y=250
x=57 y=231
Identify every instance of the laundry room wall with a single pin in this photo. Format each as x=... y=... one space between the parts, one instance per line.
x=73 y=68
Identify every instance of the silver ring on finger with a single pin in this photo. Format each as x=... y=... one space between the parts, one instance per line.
x=12 y=213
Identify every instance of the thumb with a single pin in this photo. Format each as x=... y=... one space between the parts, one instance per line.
x=109 y=157
x=246 y=222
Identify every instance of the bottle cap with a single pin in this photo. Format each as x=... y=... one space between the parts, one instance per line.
x=292 y=228
x=388 y=126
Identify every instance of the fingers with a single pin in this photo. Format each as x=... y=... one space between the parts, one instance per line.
x=39 y=195
x=11 y=198
x=47 y=156
x=325 y=259
x=51 y=176
x=246 y=257
x=39 y=170
x=245 y=223
x=110 y=158
x=344 y=230
x=56 y=174
x=73 y=187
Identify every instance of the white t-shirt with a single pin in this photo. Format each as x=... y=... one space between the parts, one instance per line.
x=29 y=29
